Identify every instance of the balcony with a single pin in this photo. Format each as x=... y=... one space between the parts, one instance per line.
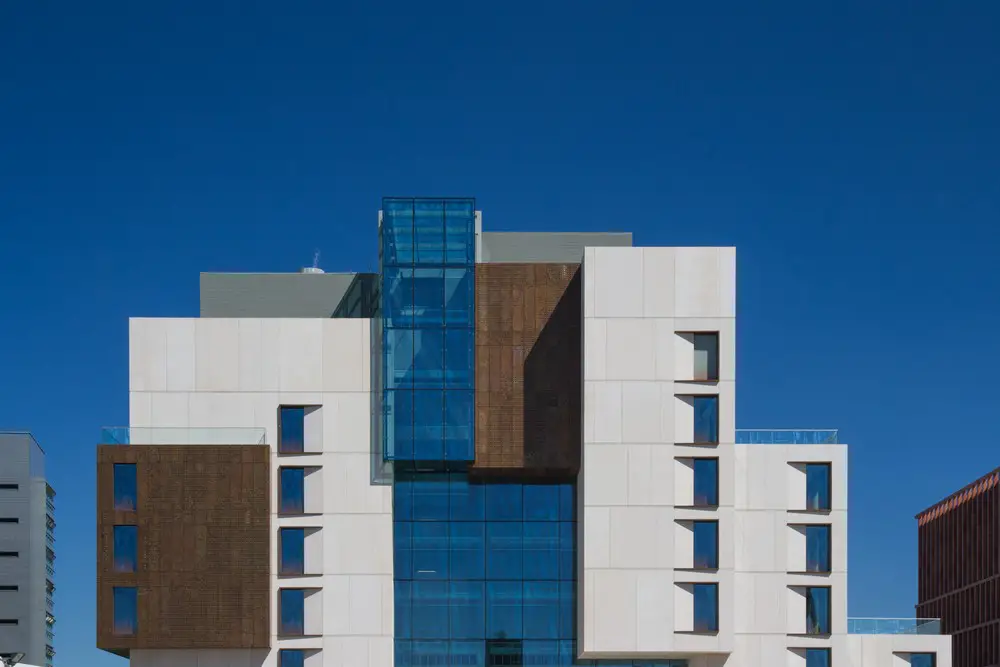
x=50 y=506
x=787 y=436
x=894 y=626
x=181 y=435
x=50 y=570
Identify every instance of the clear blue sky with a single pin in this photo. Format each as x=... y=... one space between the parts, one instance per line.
x=849 y=152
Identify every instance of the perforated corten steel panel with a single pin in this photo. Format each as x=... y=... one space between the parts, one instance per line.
x=528 y=368
x=203 y=522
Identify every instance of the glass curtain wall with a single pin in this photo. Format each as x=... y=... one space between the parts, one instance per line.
x=484 y=570
x=428 y=256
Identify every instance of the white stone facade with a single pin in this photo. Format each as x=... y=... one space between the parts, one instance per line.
x=635 y=489
x=226 y=373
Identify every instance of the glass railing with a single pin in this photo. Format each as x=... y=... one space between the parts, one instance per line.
x=894 y=626
x=49 y=538
x=182 y=435
x=51 y=570
x=787 y=436
x=50 y=635
x=50 y=506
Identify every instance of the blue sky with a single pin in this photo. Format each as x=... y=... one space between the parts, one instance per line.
x=849 y=152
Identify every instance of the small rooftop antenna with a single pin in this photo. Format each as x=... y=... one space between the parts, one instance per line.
x=315 y=265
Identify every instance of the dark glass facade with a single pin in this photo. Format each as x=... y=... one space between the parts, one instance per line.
x=291 y=545
x=818 y=548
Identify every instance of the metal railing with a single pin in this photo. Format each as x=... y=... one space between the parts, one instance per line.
x=49 y=538
x=787 y=436
x=182 y=435
x=51 y=570
x=894 y=626
x=50 y=506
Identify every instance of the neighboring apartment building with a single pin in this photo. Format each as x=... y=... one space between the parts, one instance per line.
x=959 y=564
x=502 y=449
x=27 y=551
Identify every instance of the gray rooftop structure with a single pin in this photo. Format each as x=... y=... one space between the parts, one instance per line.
x=277 y=294
x=545 y=247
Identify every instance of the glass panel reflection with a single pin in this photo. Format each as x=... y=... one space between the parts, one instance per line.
x=818 y=486
x=818 y=610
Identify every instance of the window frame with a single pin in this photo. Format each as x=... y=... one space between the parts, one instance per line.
x=281 y=491
x=694 y=614
x=822 y=651
x=829 y=486
x=829 y=610
x=287 y=530
x=114 y=611
x=135 y=490
x=695 y=399
x=694 y=545
x=281 y=420
x=282 y=630
x=829 y=547
x=114 y=549
x=694 y=496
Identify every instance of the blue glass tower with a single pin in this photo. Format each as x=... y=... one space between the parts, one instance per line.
x=428 y=259
x=484 y=566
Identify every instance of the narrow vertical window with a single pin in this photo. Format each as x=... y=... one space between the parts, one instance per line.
x=125 y=548
x=923 y=660
x=706 y=544
x=292 y=610
x=291 y=429
x=706 y=607
x=818 y=481
x=818 y=549
x=706 y=482
x=706 y=419
x=706 y=356
x=818 y=610
x=292 y=490
x=125 y=487
x=126 y=613
x=818 y=657
x=293 y=554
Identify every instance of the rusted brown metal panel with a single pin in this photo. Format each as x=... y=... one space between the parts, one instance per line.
x=958 y=547
x=528 y=345
x=203 y=573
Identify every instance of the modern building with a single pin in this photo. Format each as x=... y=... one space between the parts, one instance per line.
x=959 y=560
x=27 y=551
x=500 y=449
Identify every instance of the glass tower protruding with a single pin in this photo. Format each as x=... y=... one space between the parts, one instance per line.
x=427 y=256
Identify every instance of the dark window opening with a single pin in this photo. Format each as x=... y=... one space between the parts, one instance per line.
x=9 y=487
x=125 y=548
x=818 y=482
x=7 y=519
x=125 y=487
x=291 y=429
x=818 y=610
x=706 y=357
x=706 y=544
x=9 y=554
x=292 y=544
x=706 y=607
x=818 y=549
x=126 y=611
x=292 y=487
x=706 y=482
